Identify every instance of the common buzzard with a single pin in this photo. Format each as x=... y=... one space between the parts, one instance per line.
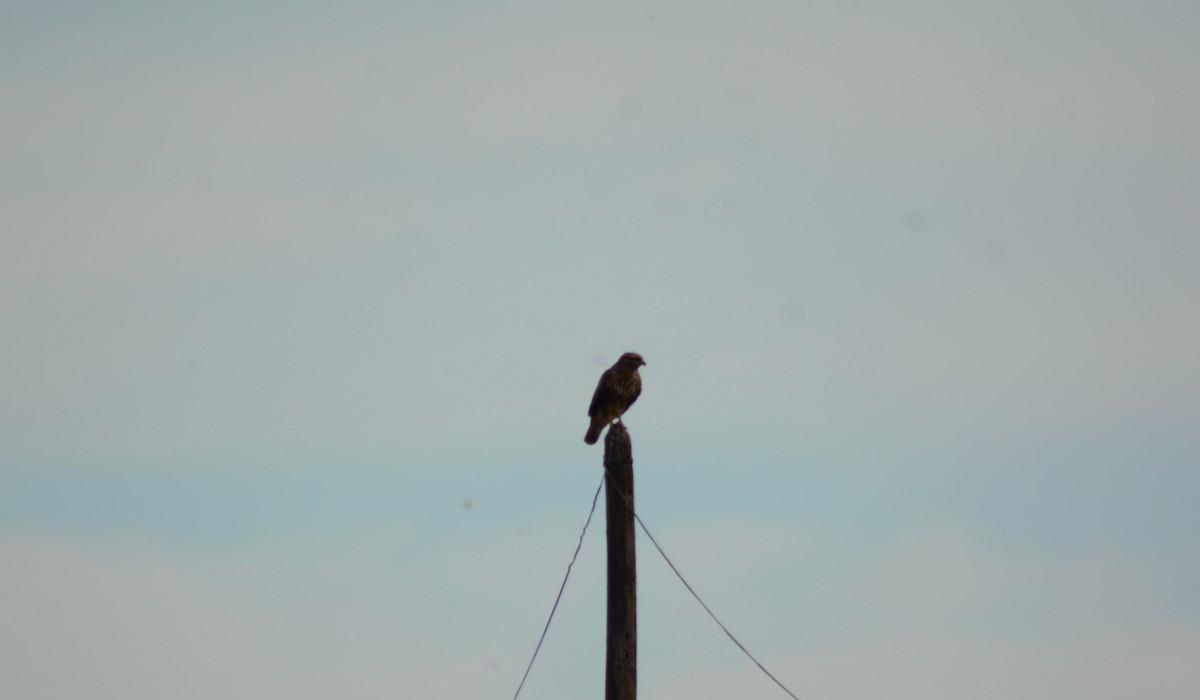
x=619 y=387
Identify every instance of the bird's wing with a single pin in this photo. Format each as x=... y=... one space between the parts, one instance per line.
x=603 y=392
x=636 y=393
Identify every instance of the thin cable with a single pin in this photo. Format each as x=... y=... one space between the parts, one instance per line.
x=561 y=588
x=693 y=591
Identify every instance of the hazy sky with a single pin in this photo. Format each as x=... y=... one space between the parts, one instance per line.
x=303 y=304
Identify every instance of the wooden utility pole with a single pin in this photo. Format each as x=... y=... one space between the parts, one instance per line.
x=620 y=678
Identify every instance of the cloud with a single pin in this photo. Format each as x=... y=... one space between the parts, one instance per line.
x=937 y=613
x=949 y=585
x=1162 y=669
x=124 y=619
x=940 y=613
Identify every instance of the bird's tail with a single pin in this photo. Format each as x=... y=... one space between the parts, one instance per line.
x=593 y=433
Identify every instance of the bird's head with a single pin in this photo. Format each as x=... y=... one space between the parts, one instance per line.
x=631 y=361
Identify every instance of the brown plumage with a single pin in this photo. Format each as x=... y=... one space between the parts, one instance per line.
x=618 y=388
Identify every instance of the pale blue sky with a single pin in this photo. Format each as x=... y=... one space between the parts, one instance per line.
x=283 y=287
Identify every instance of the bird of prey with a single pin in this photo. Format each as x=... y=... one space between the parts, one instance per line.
x=619 y=387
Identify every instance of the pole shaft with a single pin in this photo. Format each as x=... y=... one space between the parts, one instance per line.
x=621 y=660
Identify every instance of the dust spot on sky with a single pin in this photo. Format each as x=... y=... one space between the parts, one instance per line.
x=792 y=315
x=740 y=96
x=665 y=204
x=629 y=107
x=202 y=183
x=339 y=197
x=375 y=71
x=915 y=221
x=468 y=504
x=995 y=250
x=748 y=140
x=133 y=170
